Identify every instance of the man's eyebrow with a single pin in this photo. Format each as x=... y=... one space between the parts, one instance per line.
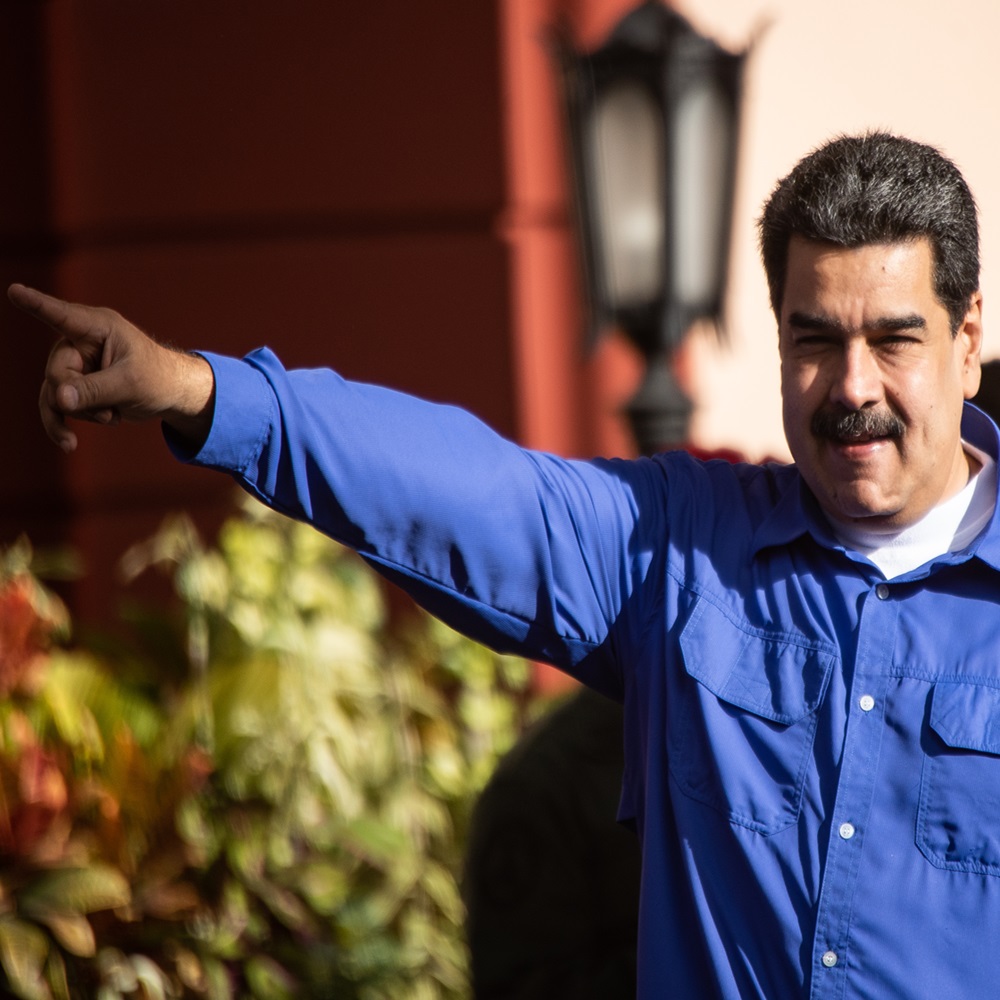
x=810 y=321
x=827 y=324
x=889 y=323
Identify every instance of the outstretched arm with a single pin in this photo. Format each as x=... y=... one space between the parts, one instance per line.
x=104 y=369
x=522 y=550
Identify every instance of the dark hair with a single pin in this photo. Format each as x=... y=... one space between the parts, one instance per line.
x=876 y=188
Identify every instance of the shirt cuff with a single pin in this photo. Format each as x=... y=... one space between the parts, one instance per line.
x=240 y=420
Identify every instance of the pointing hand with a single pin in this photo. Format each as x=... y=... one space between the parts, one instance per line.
x=104 y=369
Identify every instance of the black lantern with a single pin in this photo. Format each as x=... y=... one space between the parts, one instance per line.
x=653 y=119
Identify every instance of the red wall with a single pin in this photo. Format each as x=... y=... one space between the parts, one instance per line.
x=379 y=187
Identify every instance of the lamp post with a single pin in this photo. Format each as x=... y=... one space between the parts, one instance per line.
x=653 y=119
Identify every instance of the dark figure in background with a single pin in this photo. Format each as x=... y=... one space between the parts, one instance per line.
x=551 y=881
x=988 y=397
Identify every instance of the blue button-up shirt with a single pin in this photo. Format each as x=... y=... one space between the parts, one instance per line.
x=812 y=753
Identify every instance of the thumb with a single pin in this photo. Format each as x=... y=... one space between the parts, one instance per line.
x=68 y=397
x=70 y=401
x=71 y=395
x=95 y=396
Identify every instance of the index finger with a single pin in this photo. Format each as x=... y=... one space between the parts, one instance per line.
x=68 y=318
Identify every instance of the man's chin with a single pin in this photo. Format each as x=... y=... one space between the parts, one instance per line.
x=864 y=512
x=860 y=502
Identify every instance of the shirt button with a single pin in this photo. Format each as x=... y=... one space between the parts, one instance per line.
x=847 y=830
x=881 y=591
x=829 y=959
x=867 y=703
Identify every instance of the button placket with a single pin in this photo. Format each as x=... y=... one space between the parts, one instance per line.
x=856 y=789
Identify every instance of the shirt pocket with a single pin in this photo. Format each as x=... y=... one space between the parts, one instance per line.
x=742 y=718
x=958 y=817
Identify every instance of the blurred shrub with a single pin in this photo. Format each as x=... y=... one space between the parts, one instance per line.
x=267 y=797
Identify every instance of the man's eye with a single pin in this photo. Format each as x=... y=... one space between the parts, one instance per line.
x=894 y=340
x=814 y=340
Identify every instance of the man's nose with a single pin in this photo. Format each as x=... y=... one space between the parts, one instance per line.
x=858 y=381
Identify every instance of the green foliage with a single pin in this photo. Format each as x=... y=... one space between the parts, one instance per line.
x=267 y=797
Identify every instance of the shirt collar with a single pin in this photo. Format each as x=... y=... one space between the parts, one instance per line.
x=788 y=518
x=979 y=430
x=796 y=511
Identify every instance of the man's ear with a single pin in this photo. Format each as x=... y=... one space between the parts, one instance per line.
x=970 y=340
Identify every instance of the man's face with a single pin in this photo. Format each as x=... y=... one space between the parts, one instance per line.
x=872 y=380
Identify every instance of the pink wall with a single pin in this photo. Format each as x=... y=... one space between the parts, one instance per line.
x=377 y=187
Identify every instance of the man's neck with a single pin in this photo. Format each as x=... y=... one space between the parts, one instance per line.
x=948 y=527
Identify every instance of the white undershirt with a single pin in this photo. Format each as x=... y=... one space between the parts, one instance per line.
x=949 y=527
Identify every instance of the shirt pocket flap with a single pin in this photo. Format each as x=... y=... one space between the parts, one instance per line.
x=967 y=716
x=774 y=676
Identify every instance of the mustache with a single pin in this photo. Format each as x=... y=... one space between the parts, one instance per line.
x=851 y=425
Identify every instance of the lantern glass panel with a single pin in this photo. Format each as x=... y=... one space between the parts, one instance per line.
x=625 y=146
x=701 y=154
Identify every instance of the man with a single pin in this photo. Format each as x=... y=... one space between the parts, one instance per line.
x=808 y=656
